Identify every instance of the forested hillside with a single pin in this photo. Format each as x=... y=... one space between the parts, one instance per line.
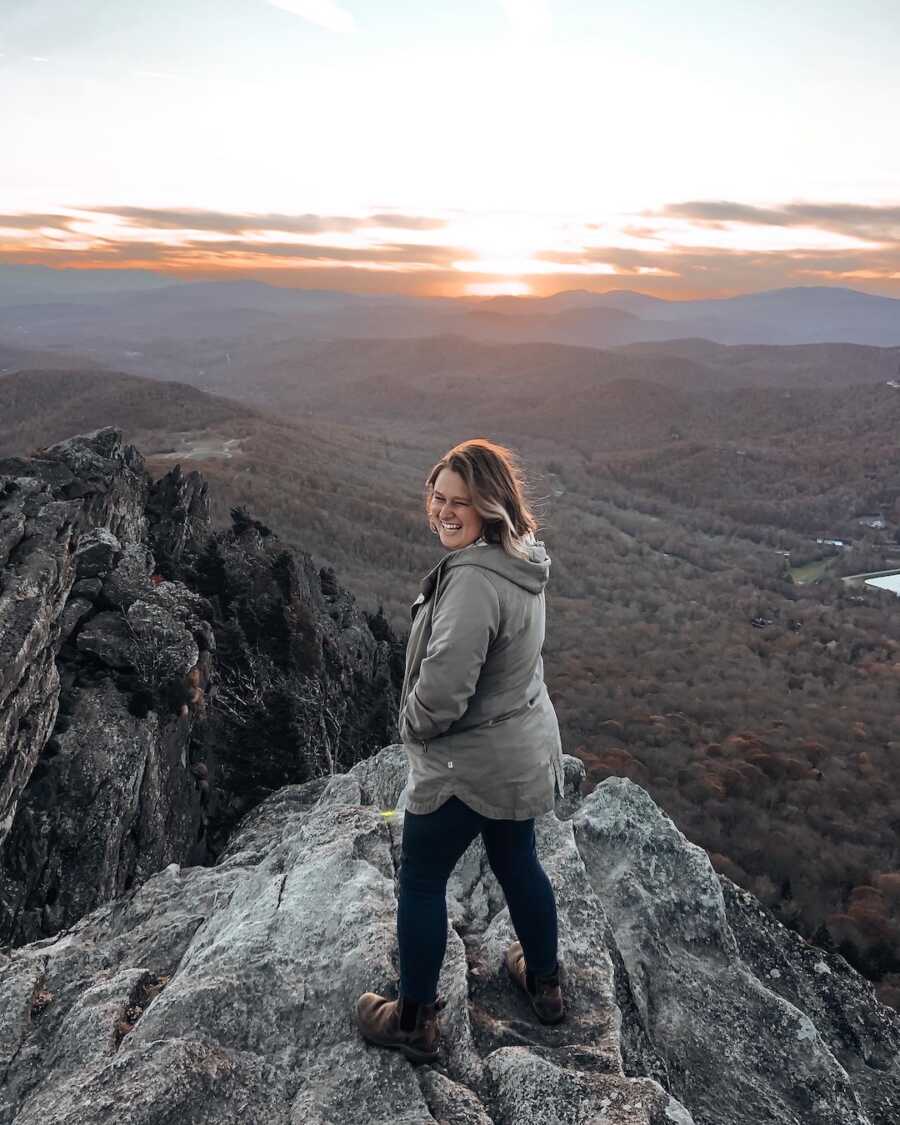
x=699 y=638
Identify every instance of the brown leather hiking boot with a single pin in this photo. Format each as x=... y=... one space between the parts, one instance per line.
x=546 y=997
x=379 y=1022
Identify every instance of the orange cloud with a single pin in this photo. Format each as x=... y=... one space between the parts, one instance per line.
x=688 y=249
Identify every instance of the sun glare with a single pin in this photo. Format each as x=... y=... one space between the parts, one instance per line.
x=507 y=288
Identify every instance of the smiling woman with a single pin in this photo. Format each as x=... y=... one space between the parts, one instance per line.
x=483 y=741
x=452 y=516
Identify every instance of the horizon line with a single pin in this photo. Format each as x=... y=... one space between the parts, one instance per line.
x=177 y=277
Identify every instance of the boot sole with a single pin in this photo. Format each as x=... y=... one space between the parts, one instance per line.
x=411 y=1053
x=518 y=983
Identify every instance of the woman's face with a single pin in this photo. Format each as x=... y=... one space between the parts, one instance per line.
x=452 y=513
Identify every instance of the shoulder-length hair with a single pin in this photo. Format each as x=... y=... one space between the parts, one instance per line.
x=497 y=486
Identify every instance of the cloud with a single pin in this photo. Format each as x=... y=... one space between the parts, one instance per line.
x=213 y=253
x=323 y=13
x=693 y=272
x=407 y=222
x=36 y=221
x=393 y=254
x=712 y=271
x=687 y=249
x=224 y=222
x=854 y=219
x=718 y=212
x=190 y=218
x=133 y=254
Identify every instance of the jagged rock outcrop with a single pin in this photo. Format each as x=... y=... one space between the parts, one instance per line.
x=227 y=993
x=116 y=758
x=178 y=518
x=308 y=683
x=94 y=767
x=48 y=504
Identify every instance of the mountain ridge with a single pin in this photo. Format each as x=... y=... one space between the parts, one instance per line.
x=792 y=314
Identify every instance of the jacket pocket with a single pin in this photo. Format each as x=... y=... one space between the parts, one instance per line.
x=512 y=714
x=486 y=724
x=406 y=737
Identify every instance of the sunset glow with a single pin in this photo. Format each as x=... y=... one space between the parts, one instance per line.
x=498 y=289
x=516 y=146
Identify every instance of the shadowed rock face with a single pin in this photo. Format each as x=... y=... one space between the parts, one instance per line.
x=95 y=789
x=47 y=506
x=227 y=993
x=117 y=756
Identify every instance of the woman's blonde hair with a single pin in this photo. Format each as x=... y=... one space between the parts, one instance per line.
x=497 y=485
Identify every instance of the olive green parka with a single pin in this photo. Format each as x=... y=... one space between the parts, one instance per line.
x=475 y=716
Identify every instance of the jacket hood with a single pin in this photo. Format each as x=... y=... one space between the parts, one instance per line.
x=531 y=573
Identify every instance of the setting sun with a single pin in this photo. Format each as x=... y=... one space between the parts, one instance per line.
x=498 y=289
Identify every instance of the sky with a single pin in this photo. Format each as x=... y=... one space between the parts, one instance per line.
x=704 y=148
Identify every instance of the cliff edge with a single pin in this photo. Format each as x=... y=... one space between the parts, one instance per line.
x=202 y=807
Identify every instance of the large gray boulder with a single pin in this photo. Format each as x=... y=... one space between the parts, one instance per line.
x=227 y=993
x=756 y=1026
x=97 y=553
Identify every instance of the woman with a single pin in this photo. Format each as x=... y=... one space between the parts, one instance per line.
x=482 y=740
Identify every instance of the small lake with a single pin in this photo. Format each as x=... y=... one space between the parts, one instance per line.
x=888 y=582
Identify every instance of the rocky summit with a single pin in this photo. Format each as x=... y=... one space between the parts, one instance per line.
x=226 y=993
x=189 y=924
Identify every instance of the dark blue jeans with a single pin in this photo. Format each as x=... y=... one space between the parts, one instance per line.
x=432 y=846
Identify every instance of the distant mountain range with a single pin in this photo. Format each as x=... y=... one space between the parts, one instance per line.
x=803 y=315
x=81 y=308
